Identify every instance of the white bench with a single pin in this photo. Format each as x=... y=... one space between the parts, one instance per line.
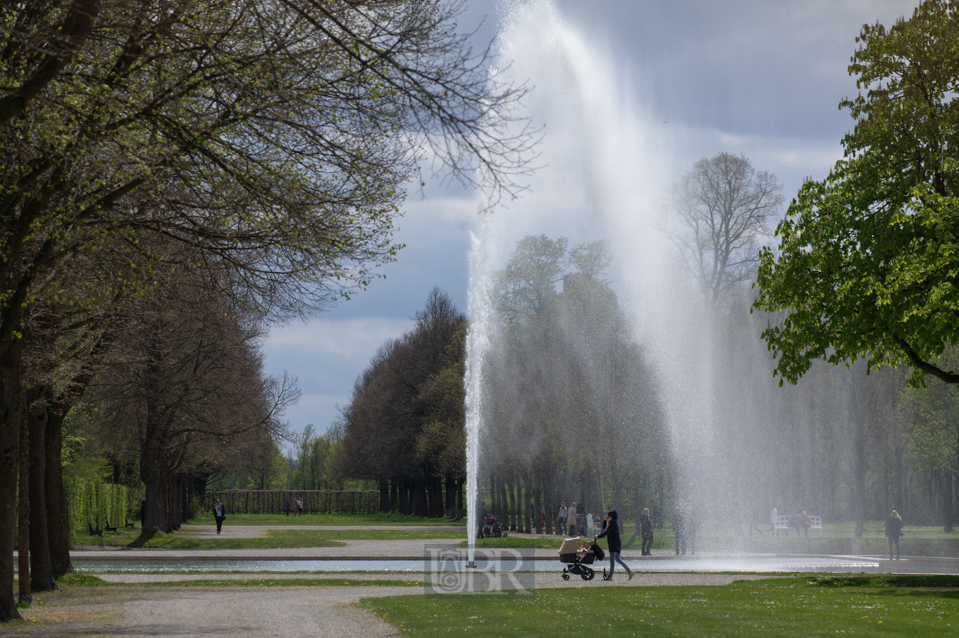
x=788 y=522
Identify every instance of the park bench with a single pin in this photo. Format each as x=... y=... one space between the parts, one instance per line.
x=791 y=521
x=108 y=528
x=94 y=532
x=128 y=524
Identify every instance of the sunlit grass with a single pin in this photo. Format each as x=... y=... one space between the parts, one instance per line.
x=271 y=539
x=369 y=520
x=791 y=608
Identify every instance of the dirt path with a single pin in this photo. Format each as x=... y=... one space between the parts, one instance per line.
x=278 y=612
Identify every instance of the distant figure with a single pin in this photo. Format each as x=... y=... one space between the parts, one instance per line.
x=299 y=507
x=679 y=530
x=894 y=532
x=772 y=520
x=532 y=517
x=805 y=522
x=542 y=516
x=611 y=532
x=646 y=526
x=561 y=519
x=691 y=526
x=481 y=515
x=219 y=514
x=286 y=508
x=588 y=529
x=571 y=519
x=754 y=516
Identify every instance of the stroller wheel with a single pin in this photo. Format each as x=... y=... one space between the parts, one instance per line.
x=565 y=576
x=588 y=573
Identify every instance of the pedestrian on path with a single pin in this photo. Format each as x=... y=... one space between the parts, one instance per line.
x=893 y=532
x=646 y=527
x=219 y=514
x=611 y=533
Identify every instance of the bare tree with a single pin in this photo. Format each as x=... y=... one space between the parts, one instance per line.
x=721 y=207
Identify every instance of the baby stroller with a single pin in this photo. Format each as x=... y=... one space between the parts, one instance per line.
x=491 y=528
x=578 y=554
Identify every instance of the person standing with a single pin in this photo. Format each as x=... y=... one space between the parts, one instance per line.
x=571 y=520
x=286 y=508
x=219 y=514
x=611 y=533
x=532 y=517
x=773 y=515
x=561 y=519
x=893 y=532
x=691 y=525
x=679 y=530
x=646 y=528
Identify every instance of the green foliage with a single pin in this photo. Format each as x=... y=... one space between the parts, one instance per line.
x=869 y=257
x=97 y=503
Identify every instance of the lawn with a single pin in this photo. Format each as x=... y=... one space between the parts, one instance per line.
x=272 y=539
x=370 y=520
x=789 y=607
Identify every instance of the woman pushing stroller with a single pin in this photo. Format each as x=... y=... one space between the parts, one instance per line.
x=611 y=532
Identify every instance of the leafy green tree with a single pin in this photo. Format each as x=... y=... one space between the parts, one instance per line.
x=868 y=262
x=275 y=138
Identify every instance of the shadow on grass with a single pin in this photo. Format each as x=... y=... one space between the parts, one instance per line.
x=141 y=540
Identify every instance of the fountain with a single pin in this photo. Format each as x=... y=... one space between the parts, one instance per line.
x=607 y=165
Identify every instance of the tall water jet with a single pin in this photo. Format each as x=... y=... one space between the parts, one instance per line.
x=477 y=344
x=607 y=166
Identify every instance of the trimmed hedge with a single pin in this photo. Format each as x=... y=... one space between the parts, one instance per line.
x=314 y=501
x=96 y=503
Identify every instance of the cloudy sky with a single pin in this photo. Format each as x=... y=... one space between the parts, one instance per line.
x=758 y=77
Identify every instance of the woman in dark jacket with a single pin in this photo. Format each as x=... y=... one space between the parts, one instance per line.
x=219 y=513
x=611 y=532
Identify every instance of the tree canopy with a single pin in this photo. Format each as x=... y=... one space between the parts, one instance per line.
x=868 y=263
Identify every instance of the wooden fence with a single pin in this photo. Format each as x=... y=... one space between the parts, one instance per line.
x=314 y=501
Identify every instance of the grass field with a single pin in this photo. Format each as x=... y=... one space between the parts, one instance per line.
x=796 y=607
x=272 y=539
x=369 y=520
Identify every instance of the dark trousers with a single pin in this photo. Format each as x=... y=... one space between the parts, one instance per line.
x=219 y=523
x=680 y=541
x=648 y=545
x=891 y=541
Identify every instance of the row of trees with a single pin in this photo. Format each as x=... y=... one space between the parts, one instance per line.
x=178 y=172
x=571 y=405
x=404 y=425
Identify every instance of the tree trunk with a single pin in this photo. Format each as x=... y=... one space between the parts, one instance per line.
x=58 y=521
x=511 y=517
x=10 y=415
x=41 y=569
x=23 y=507
x=947 y=502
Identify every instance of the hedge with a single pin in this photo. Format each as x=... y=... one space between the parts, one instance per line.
x=314 y=501
x=96 y=503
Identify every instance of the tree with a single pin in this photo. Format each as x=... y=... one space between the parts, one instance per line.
x=274 y=138
x=721 y=207
x=869 y=257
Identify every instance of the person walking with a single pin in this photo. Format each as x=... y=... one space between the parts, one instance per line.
x=571 y=520
x=679 y=530
x=646 y=528
x=611 y=533
x=561 y=519
x=219 y=514
x=893 y=532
